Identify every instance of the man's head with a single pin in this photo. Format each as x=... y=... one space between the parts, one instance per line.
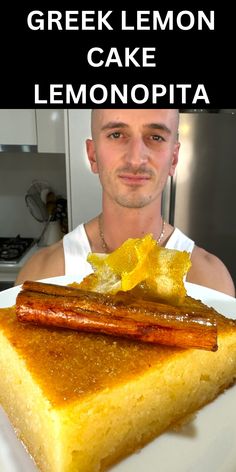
x=133 y=151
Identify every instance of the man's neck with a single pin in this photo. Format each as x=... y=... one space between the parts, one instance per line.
x=119 y=224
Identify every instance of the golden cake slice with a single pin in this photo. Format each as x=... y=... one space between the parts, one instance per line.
x=81 y=401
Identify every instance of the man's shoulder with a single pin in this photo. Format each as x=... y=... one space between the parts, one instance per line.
x=208 y=270
x=204 y=258
x=47 y=253
x=46 y=262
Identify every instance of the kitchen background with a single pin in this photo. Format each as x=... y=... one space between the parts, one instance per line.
x=32 y=148
x=42 y=152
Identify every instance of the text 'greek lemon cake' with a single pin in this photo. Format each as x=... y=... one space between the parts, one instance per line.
x=80 y=402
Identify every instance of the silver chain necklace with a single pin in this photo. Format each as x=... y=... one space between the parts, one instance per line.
x=104 y=244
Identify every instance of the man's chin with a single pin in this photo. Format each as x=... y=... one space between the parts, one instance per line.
x=132 y=203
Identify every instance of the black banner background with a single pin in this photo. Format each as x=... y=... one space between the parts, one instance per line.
x=59 y=57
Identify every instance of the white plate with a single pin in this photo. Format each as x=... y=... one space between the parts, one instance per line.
x=207 y=444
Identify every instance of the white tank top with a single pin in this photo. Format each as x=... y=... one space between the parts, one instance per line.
x=76 y=248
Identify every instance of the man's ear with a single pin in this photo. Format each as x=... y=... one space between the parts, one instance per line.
x=92 y=155
x=175 y=158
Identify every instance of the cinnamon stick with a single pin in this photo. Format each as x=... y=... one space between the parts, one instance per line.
x=118 y=315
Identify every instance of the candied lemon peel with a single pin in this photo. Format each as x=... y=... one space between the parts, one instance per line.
x=143 y=266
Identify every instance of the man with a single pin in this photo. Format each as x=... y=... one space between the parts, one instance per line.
x=133 y=152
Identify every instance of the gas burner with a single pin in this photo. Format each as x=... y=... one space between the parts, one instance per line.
x=13 y=249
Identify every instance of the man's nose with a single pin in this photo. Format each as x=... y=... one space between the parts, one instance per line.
x=137 y=152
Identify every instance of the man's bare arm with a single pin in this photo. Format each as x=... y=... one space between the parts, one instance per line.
x=47 y=262
x=209 y=271
x=206 y=270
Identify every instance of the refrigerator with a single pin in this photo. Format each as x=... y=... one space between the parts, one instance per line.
x=200 y=199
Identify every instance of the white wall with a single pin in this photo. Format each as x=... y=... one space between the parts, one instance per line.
x=84 y=189
x=17 y=171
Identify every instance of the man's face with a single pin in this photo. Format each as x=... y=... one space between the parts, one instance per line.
x=133 y=151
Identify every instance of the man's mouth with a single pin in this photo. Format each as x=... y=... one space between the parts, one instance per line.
x=134 y=179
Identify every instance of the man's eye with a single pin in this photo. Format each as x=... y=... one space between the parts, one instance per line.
x=157 y=137
x=115 y=135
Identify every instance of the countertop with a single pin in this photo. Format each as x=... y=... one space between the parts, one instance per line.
x=8 y=272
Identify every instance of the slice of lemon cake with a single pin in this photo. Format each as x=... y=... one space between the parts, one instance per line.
x=80 y=402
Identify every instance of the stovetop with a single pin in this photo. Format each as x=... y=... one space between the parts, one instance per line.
x=13 y=249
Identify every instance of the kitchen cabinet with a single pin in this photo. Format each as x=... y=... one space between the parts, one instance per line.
x=50 y=130
x=18 y=127
x=30 y=130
